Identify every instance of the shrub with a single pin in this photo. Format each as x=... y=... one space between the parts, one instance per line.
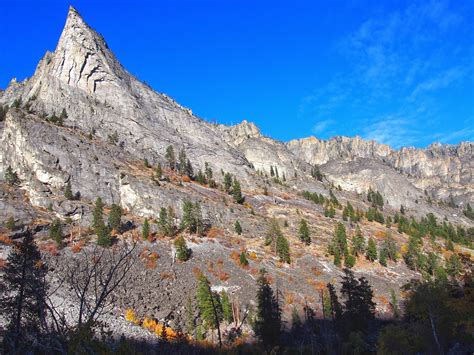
x=55 y=232
x=238 y=227
x=243 y=259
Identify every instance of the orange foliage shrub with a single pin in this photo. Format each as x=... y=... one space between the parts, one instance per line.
x=380 y=234
x=166 y=275
x=5 y=239
x=186 y=178
x=219 y=262
x=316 y=271
x=77 y=247
x=3 y=263
x=223 y=276
x=215 y=232
x=234 y=255
x=254 y=271
x=197 y=272
x=50 y=248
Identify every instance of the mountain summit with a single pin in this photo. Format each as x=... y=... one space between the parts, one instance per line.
x=83 y=78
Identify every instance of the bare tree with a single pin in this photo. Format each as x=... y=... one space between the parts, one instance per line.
x=94 y=275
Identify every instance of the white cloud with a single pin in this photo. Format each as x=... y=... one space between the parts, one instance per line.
x=322 y=126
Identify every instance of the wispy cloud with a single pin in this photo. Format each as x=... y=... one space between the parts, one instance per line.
x=322 y=126
x=399 y=64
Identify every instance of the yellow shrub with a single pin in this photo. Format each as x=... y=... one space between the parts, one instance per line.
x=130 y=316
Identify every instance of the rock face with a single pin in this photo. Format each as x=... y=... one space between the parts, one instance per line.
x=438 y=171
x=83 y=77
x=103 y=100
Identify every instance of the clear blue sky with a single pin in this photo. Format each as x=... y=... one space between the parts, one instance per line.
x=398 y=72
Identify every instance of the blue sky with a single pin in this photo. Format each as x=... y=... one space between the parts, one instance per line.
x=399 y=72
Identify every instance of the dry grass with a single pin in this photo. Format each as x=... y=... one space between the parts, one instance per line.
x=215 y=232
x=77 y=247
x=50 y=248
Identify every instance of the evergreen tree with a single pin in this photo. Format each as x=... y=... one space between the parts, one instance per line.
x=335 y=305
x=146 y=229
x=236 y=192
x=23 y=295
x=238 y=227
x=390 y=247
x=273 y=233
x=349 y=261
x=189 y=169
x=227 y=182
x=338 y=246
x=358 y=242
x=115 y=217
x=272 y=173
x=226 y=307
x=159 y=171
x=359 y=308
x=283 y=249
x=267 y=324
x=394 y=304
x=454 y=266
x=208 y=171
x=208 y=305
x=170 y=157
x=383 y=257
x=165 y=221
x=68 y=191
x=303 y=232
x=243 y=259
x=192 y=217
x=103 y=236
x=10 y=223
x=55 y=232
x=11 y=177
x=182 y=162
x=146 y=163
x=97 y=215
x=371 y=250
x=190 y=325
x=183 y=253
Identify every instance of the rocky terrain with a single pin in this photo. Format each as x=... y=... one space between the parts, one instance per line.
x=113 y=123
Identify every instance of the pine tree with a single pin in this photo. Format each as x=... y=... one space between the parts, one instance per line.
x=55 y=232
x=338 y=246
x=23 y=295
x=103 y=236
x=273 y=233
x=236 y=192
x=336 y=307
x=146 y=163
x=371 y=250
x=243 y=259
x=226 y=307
x=349 y=261
x=182 y=162
x=208 y=305
x=383 y=257
x=238 y=227
x=170 y=157
x=115 y=217
x=189 y=169
x=394 y=304
x=68 y=191
x=159 y=171
x=272 y=173
x=359 y=308
x=267 y=324
x=10 y=223
x=183 y=253
x=283 y=249
x=146 y=229
x=358 y=242
x=303 y=232
x=190 y=325
x=11 y=177
x=227 y=182
x=97 y=215
x=165 y=221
